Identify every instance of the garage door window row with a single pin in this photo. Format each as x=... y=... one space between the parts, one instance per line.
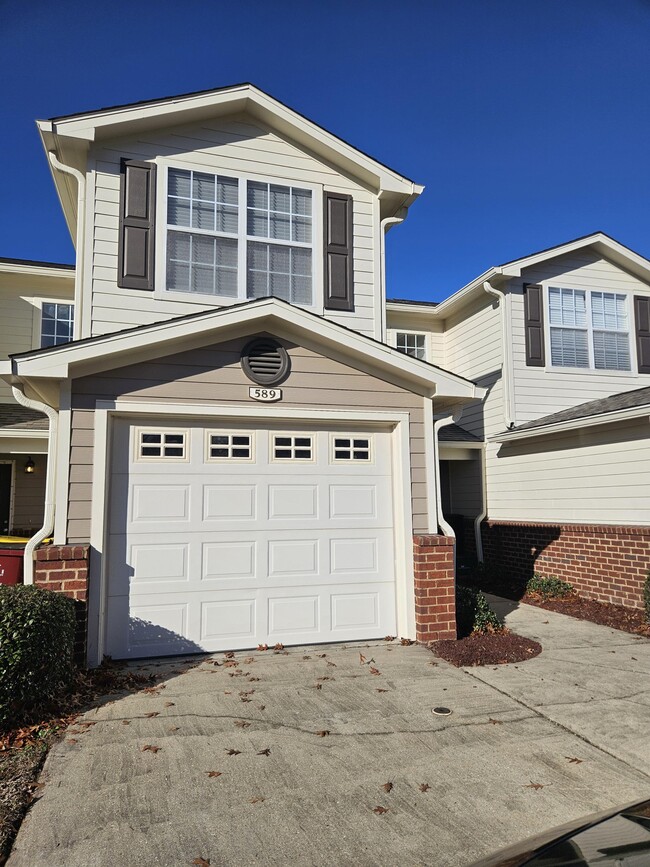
x=236 y=446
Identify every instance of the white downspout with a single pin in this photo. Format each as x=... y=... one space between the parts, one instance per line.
x=81 y=220
x=446 y=528
x=478 y=520
x=383 y=228
x=506 y=367
x=50 y=480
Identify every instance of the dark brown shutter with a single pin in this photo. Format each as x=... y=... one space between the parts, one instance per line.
x=642 y=326
x=534 y=315
x=339 y=286
x=137 y=220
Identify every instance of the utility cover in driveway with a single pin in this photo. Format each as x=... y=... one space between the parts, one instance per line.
x=227 y=537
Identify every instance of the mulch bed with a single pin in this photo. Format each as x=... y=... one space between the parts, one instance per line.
x=489 y=648
x=604 y=613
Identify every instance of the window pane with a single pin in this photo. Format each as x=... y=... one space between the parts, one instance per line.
x=57 y=322
x=611 y=350
x=281 y=267
x=569 y=348
x=301 y=202
x=257 y=196
x=203 y=186
x=280 y=226
x=567 y=307
x=228 y=191
x=411 y=344
x=179 y=183
x=258 y=223
x=226 y=219
x=200 y=263
x=280 y=199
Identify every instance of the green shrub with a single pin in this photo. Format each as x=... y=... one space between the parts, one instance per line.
x=646 y=597
x=548 y=588
x=473 y=612
x=37 y=630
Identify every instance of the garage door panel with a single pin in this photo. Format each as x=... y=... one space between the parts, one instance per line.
x=222 y=560
x=229 y=503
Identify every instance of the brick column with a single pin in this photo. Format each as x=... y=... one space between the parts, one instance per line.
x=435 y=595
x=64 y=569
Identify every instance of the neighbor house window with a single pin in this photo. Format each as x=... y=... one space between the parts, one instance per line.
x=57 y=321
x=239 y=239
x=411 y=344
x=588 y=329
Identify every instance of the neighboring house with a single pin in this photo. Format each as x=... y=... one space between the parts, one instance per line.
x=238 y=451
x=36 y=309
x=561 y=341
x=249 y=444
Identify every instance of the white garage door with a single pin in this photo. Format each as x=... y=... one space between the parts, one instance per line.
x=227 y=537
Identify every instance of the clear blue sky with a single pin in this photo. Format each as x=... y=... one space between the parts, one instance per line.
x=528 y=121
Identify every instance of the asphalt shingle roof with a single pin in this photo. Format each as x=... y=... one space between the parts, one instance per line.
x=616 y=402
x=16 y=417
x=454 y=433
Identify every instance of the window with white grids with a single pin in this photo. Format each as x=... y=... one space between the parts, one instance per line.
x=588 y=329
x=57 y=322
x=411 y=344
x=289 y=447
x=346 y=449
x=157 y=445
x=237 y=238
x=229 y=446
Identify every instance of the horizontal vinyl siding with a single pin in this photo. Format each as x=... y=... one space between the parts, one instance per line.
x=213 y=376
x=598 y=475
x=539 y=391
x=231 y=145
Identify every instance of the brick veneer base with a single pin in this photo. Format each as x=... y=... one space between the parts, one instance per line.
x=64 y=569
x=607 y=563
x=435 y=601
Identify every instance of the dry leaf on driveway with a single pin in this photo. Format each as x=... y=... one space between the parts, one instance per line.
x=232 y=752
x=213 y=773
x=424 y=787
x=322 y=734
x=201 y=862
x=374 y=670
x=387 y=787
x=242 y=723
x=265 y=752
x=535 y=786
x=152 y=714
x=573 y=760
x=150 y=748
x=256 y=800
x=495 y=722
x=380 y=810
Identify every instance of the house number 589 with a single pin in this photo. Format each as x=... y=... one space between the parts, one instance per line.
x=265 y=394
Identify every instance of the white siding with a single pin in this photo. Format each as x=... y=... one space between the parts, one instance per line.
x=597 y=475
x=20 y=312
x=539 y=391
x=233 y=145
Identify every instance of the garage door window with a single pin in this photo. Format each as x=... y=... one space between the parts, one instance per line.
x=347 y=449
x=160 y=445
x=229 y=446
x=293 y=448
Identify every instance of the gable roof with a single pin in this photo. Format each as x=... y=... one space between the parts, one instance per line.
x=70 y=135
x=603 y=244
x=617 y=407
x=109 y=351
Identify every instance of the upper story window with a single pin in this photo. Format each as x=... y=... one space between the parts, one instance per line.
x=57 y=321
x=239 y=239
x=588 y=329
x=411 y=344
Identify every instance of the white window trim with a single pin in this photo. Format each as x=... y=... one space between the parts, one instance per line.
x=230 y=433
x=294 y=434
x=591 y=370
x=161 y=458
x=392 y=340
x=38 y=317
x=207 y=300
x=335 y=435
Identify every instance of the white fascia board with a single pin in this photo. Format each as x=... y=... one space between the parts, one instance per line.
x=424 y=309
x=36 y=270
x=573 y=424
x=22 y=433
x=59 y=362
x=5 y=368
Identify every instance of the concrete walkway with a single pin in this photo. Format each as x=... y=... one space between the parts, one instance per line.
x=293 y=797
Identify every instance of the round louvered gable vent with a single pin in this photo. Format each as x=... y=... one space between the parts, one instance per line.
x=264 y=361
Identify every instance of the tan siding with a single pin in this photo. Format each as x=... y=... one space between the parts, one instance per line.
x=540 y=391
x=229 y=145
x=597 y=475
x=213 y=376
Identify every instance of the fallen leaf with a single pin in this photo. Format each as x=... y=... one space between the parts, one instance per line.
x=333 y=664
x=253 y=679
x=255 y=800
x=201 y=862
x=374 y=670
x=424 y=787
x=573 y=760
x=170 y=704
x=229 y=654
x=322 y=734
x=544 y=621
x=261 y=706
x=262 y=647
x=246 y=691
x=89 y=724
x=232 y=752
x=173 y=729
x=213 y=773
x=232 y=663
x=126 y=722
x=387 y=787
x=245 y=698
x=306 y=657
x=278 y=646
x=433 y=663
x=249 y=660
x=495 y=722
x=406 y=642
x=242 y=724
x=381 y=690
x=535 y=786
x=322 y=655
x=265 y=752
x=362 y=658
x=380 y=810
x=153 y=713
x=72 y=741
x=389 y=638
x=317 y=686
x=149 y=748
x=323 y=679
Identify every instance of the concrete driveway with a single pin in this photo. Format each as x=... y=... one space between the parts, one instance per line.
x=498 y=769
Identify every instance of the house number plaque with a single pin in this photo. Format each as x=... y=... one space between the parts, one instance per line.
x=267 y=395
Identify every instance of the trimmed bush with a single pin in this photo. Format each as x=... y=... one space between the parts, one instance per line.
x=646 y=597
x=37 y=629
x=473 y=612
x=548 y=588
